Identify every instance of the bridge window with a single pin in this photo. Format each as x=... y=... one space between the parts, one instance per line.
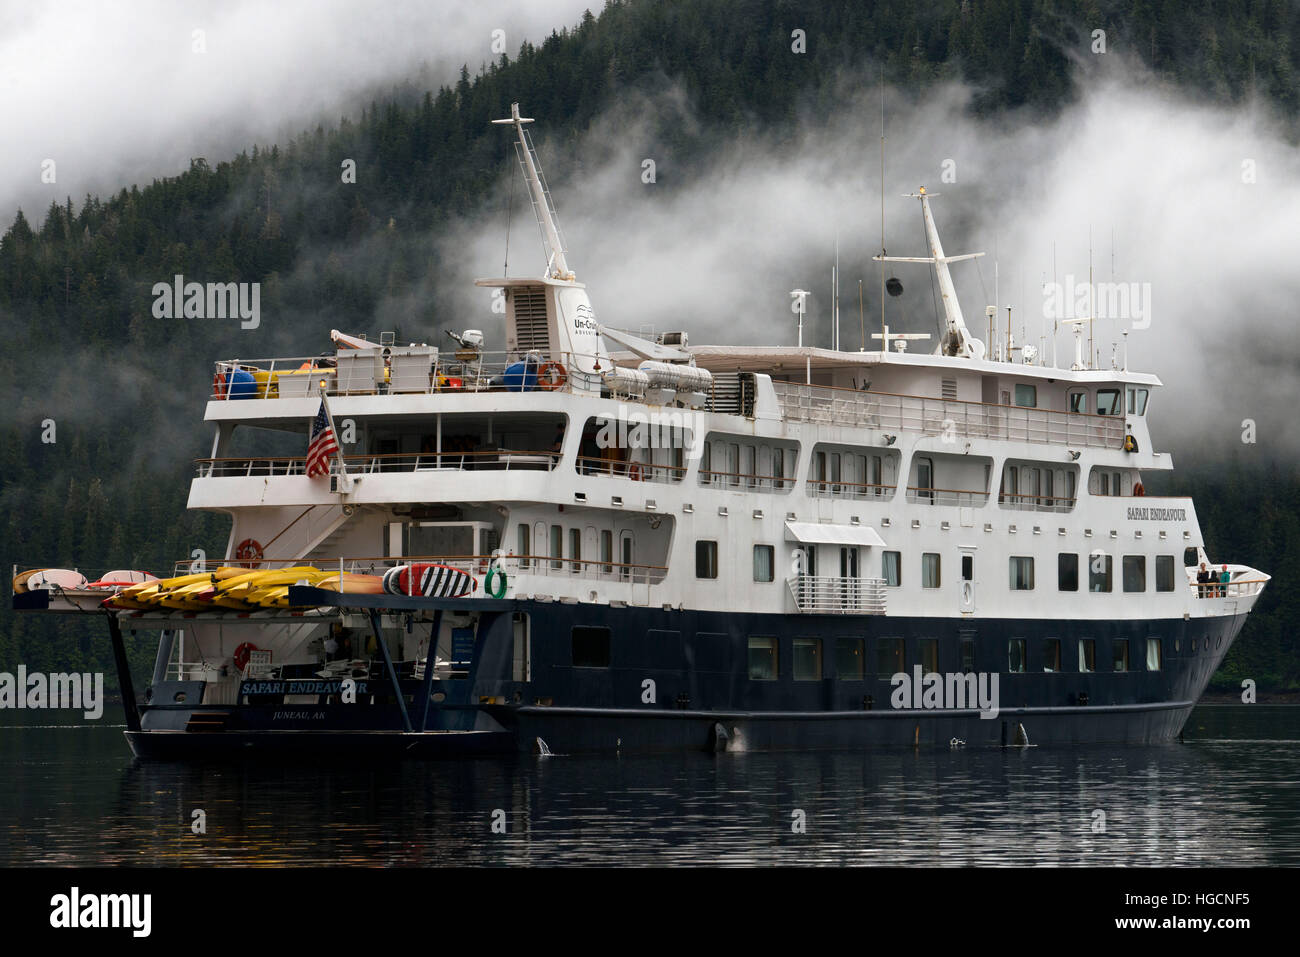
x=1026 y=395
x=1137 y=401
x=929 y=648
x=930 y=570
x=557 y=545
x=850 y=659
x=807 y=659
x=764 y=559
x=1067 y=571
x=575 y=549
x=891 y=568
x=1164 y=573
x=590 y=647
x=706 y=559
x=1022 y=573
x=762 y=659
x=1087 y=655
x=1100 y=568
x=1078 y=402
x=1153 y=654
x=1108 y=402
x=1052 y=655
x=1135 y=572
x=889 y=657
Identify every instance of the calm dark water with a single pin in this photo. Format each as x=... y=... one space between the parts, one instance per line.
x=74 y=795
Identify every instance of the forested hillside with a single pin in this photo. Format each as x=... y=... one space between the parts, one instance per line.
x=125 y=390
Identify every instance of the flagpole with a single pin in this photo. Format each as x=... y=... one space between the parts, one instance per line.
x=346 y=484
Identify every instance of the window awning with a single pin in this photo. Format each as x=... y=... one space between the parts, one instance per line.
x=814 y=533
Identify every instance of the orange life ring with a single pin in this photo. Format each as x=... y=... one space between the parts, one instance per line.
x=551 y=376
x=219 y=386
x=634 y=471
x=1139 y=490
x=242 y=654
x=249 y=553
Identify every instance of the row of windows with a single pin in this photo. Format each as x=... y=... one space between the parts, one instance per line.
x=591 y=649
x=850 y=657
x=1020 y=570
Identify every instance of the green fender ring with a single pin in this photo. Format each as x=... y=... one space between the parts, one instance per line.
x=499 y=573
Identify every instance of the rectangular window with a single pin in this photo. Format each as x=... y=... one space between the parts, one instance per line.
x=706 y=559
x=1100 y=567
x=1164 y=573
x=519 y=670
x=968 y=568
x=1067 y=571
x=763 y=562
x=1135 y=572
x=607 y=550
x=890 y=569
x=1153 y=654
x=835 y=475
x=930 y=570
x=807 y=659
x=1087 y=655
x=819 y=470
x=748 y=465
x=523 y=545
x=850 y=659
x=762 y=659
x=1052 y=655
x=1079 y=402
x=1119 y=654
x=1022 y=573
x=575 y=549
x=889 y=657
x=967 y=655
x=590 y=647
x=1108 y=402
x=1016 y=655
x=706 y=463
x=1142 y=401
x=733 y=463
x=557 y=546
x=1027 y=395
x=778 y=468
x=929 y=648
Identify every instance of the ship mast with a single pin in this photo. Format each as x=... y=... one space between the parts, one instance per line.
x=958 y=341
x=557 y=267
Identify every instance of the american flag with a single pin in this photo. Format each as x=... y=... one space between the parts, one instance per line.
x=322 y=445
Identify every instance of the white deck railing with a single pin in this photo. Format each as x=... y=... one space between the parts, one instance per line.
x=838 y=596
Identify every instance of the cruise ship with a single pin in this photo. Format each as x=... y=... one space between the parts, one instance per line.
x=584 y=539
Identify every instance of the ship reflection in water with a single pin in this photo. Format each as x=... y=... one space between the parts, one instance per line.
x=73 y=795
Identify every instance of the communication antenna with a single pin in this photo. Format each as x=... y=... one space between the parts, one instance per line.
x=884 y=343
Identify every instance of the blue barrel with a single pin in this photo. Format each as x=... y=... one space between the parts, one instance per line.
x=521 y=377
x=242 y=385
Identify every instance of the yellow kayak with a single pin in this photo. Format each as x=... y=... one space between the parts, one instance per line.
x=238 y=593
x=277 y=596
x=355 y=583
x=150 y=594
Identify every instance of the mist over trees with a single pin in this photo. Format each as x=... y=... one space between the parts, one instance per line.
x=126 y=390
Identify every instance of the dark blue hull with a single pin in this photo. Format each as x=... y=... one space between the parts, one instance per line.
x=673 y=680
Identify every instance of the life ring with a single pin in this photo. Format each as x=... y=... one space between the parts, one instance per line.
x=249 y=553
x=499 y=573
x=219 y=386
x=551 y=376
x=634 y=471
x=1139 y=490
x=242 y=654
